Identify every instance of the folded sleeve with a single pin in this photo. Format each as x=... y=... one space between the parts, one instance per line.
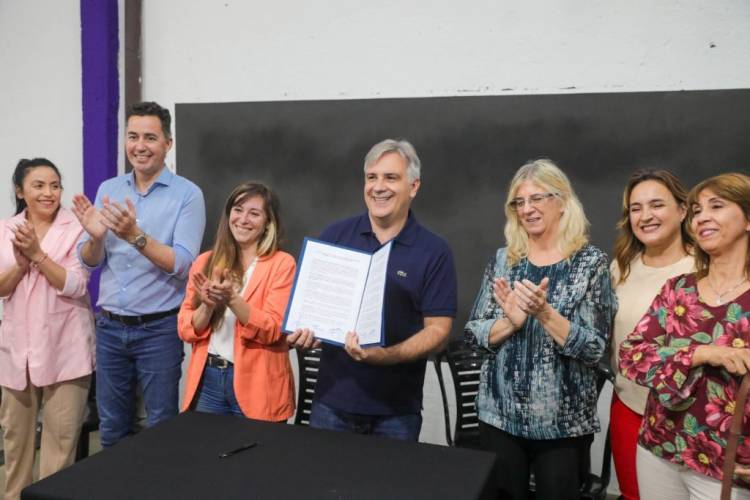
x=485 y=311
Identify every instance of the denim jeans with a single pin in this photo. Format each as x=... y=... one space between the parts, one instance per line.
x=216 y=392
x=150 y=355
x=404 y=427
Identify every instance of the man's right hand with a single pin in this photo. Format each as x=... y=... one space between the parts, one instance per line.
x=89 y=217
x=303 y=338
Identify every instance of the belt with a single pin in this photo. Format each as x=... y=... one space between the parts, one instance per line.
x=138 y=320
x=215 y=361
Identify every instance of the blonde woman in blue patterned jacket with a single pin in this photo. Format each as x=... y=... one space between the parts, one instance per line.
x=544 y=312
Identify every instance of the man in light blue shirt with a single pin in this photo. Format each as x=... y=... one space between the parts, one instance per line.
x=145 y=229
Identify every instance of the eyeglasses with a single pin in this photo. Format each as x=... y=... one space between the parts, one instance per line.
x=534 y=200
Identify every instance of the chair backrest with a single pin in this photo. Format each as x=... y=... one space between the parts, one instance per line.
x=307 y=376
x=90 y=422
x=595 y=485
x=465 y=365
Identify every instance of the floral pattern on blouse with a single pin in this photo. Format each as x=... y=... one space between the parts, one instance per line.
x=689 y=410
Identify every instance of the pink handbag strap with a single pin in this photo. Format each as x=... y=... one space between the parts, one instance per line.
x=735 y=431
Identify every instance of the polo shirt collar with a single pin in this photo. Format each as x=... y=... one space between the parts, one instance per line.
x=406 y=236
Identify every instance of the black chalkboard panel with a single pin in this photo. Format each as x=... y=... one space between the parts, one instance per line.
x=311 y=153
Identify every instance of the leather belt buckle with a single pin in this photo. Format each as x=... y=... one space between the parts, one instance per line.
x=218 y=362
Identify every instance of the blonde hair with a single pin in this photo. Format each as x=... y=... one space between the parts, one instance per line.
x=573 y=227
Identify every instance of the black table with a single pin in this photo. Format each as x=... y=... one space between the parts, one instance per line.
x=180 y=459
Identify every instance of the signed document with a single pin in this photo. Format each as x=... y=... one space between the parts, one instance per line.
x=337 y=290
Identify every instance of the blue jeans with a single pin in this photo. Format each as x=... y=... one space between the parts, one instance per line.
x=404 y=427
x=216 y=392
x=150 y=355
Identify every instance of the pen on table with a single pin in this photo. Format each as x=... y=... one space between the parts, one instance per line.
x=237 y=450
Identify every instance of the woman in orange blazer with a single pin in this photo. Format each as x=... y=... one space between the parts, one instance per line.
x=232 y=314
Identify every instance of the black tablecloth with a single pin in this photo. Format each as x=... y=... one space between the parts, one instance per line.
x=180 y=459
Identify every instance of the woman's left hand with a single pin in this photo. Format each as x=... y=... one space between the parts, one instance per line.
x=222 y=287
x=742 y=472
x=23 y=262
x=531 y=298
x=24 y=237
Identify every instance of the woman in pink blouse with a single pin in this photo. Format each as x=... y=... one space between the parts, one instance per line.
x=690 y=350
x=46 y=335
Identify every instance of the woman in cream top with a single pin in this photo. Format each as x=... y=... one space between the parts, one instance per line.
x=653 y=245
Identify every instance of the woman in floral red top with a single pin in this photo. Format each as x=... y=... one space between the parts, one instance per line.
x=691 y=348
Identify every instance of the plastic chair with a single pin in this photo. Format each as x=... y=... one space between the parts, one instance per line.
x=307 y=376
x=595 y=485
x=90 y=422
x=465 y=366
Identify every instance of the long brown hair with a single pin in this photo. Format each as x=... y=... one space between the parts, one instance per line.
x=733 y=187
x=226 y=252
x=627 y=246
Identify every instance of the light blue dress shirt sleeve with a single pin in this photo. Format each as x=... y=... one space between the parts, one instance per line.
x=188 y=233
x=171 y=212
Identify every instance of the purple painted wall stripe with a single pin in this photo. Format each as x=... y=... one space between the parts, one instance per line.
x=100 y=97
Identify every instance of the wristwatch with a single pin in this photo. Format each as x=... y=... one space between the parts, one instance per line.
x=140 y=241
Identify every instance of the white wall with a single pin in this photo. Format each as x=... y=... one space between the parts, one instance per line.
x=230 y=50
x=40 y=91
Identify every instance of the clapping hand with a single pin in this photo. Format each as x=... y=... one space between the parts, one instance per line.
x=23 y=262
x=532 y=299
x=508 y=301
x=26 y=242
x=89 y=217
x=120 y=219
x=202 y=288
x=216 y=291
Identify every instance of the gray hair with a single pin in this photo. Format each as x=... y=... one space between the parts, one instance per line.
x=403 y=148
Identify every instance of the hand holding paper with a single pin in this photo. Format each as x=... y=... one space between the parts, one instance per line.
x=303 y=338
x=371 y=355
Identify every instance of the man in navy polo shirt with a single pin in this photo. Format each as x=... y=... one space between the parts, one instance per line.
x=378 y=390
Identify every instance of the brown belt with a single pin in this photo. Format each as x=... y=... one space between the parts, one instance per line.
x=218 y=362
